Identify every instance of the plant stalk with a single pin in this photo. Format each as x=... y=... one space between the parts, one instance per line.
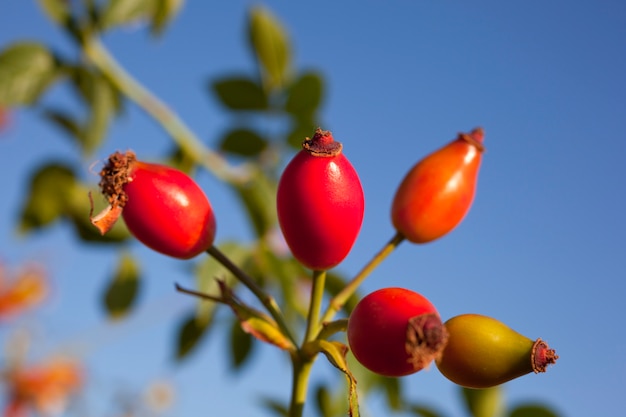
x=267 y=300
x=99 y=56
x=315 y=306
x=300 y=384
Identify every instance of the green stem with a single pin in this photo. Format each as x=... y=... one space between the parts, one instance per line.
x=98 y=55
x=301 y=372
x=338 y=301
x=267 y=300
x=315 y=306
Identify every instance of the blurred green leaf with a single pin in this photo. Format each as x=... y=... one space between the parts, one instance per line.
x=276 y=406
x=122 y=12
x=423 y=411
x=393 y=392
x=301 y=130
x=243 y=142
x=323 y=401
x=78 y=208
x=26 y=70
x=270 y=44
x=57 y=10
x=532 y=410
x=304 y=96
x=335 y=283
x=483 y=402
x=121 y=292
x=190 y=333
x=240 y=93
x=102 y=106
x=64 y=121
x=165 y=11
x=259 y=198
x=51 y=186
x=241 y=344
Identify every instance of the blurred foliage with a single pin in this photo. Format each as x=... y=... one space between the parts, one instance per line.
x=285 y=104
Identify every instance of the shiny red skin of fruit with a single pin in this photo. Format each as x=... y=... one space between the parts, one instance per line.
x=167 y=210
x=438 y=191
x=377 y=329
x=320 y=206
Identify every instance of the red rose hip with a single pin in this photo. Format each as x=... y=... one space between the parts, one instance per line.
x=320 y=203
x=395 y=332
x=162 y=207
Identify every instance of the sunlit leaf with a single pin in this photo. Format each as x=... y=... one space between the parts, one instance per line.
x=22 y=292
x=304 y=96
x=57 y=10
x=26 y=70
x=122 y=12
x=122 y=290
x=483 y=402
x=165 y=12
x=240 y=93
x=241 y=344
x=243 y=142
x=336 y=352
x=532 y=410
x=270 y=44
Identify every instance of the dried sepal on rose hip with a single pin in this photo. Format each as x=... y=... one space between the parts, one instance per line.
x=320 y=203
x=162 y=207
x=436 y=194
x=395 y=332
x=483 y=352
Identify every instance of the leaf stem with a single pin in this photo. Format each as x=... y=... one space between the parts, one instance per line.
x=337 y=302
x=99 y=56
x=315 y=305
x=267 y=300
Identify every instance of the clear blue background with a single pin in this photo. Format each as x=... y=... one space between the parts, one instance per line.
x=542 y=249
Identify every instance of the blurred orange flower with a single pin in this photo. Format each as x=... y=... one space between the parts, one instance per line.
x=26 y=290
x=44 y=388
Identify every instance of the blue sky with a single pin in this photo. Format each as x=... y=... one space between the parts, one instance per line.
x=542 y=248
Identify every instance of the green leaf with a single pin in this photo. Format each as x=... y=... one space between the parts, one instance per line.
x=57 y=10
x=165 y=12
x=64 y=121
x=122 y=12
x=102 y=106
x=259 y=198
x=190 y=333
x=51 y=186
x=243 y=142
x=532 y=410
x=300 y=132
x=483 y=402
x=336 y=352
x=304 y=96
x=270 y=44
x=78 y=207
x=423 y=411
x=121 y=292
x=26 y=70
x=276 y=406
x=241 y=344
x=240 y=93
x=323 y=401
